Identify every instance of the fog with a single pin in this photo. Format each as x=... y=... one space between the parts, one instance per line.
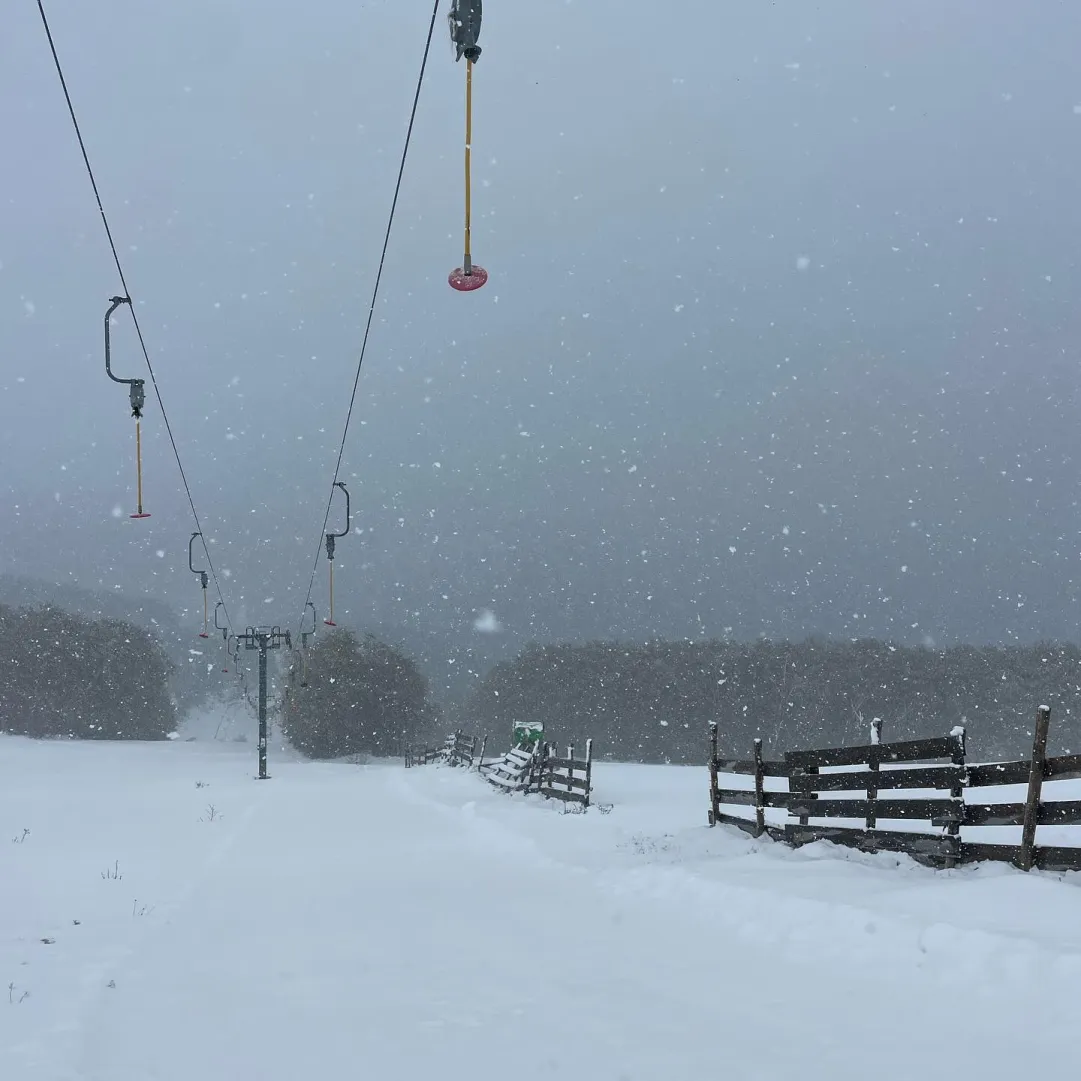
x=780 y=336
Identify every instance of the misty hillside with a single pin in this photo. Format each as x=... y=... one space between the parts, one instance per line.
x=18 y=591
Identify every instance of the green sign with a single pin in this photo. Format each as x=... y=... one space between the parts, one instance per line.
x=528 y=733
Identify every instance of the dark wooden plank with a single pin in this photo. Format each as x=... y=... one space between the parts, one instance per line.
x=994 y=814
x=562 y=779
x=779 y=799
x=857 y=781
x=589 y=768
x=941 y=809
x=812 y=771
x=1035 y=786
x=1066 y=767
x=1051 y=813
x=957 y=791
x=980 y=853
x=1055 y=858
x=746 y=824
x=741 y=797
x=923 y=844
x=759 y=789
x=712 y=773
x=566 y=797
x=993 y=773
x=912 y=750
x=745 y=797
x=577 y=764
x=871 y=821
x=737 y=765
x=1060 y=813
x=1046 y=857
x=746 y=766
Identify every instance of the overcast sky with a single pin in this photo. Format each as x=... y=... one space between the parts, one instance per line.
x=781 y=335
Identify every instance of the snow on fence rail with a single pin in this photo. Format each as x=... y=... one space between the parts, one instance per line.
x=926 y=765
x=516 y=771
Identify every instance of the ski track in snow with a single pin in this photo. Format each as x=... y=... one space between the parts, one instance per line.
x=341 y=921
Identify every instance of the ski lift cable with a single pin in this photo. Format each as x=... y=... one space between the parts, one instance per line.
x=127 y=297
x=371 y=309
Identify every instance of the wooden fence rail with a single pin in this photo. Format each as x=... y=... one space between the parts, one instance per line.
x=847 y=807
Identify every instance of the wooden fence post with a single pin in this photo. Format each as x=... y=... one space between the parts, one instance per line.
x=957 y=793
x=1035 y=787
x=759 y=790
x=589 y=769
x=537 y=766
x=483 y=748
x=713 y=786
x=872 y=790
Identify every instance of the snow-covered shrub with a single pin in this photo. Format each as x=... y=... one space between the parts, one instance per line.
x=362 y=697
x=69 y=676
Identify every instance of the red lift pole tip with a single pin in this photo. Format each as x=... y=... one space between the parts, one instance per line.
x=468 y=277
x=466 y=281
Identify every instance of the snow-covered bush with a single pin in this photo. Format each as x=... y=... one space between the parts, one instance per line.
x=69 y=676
x=362 y=697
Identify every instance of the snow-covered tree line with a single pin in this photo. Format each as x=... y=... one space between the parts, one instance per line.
x=64 y=675
x=652 y=702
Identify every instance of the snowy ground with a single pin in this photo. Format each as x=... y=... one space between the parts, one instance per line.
x=345 y=921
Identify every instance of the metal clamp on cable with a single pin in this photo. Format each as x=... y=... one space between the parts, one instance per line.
x=136 y=387
x=204 y=581
x=331 y=539
x=464 y=19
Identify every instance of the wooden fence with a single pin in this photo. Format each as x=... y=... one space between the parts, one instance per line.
x=461 y=750
x=522 y=769
x=421 y=756
x=457 y=750
x=540 y=769
x=568 y=779
x=516 y=771
x=927 y=790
